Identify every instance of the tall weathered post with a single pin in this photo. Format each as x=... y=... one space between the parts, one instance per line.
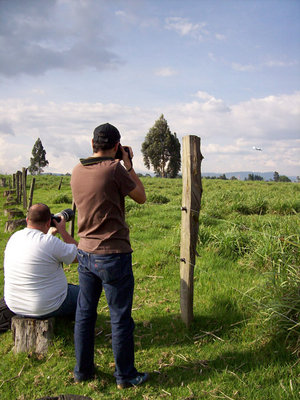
x=191 y=201
x=31 y=192
x=24 y=182
x=72 y=223
x=19 y=186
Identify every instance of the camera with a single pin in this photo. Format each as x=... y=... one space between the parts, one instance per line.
x=119 y=154
x=68 y=215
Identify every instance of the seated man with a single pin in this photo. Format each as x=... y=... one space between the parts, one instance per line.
x=35 y=284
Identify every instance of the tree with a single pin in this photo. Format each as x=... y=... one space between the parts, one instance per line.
x=276 y=176
x=284 y=178
x=223 y=176
x=252 y=177
x=280 y=178
x=38 y=160
x=161 y=149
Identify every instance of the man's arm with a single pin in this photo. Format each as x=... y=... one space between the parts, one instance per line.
x=138 y=193
x=60 y=227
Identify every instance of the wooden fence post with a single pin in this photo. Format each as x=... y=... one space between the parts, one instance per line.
x=31 y=193
x=191 y=201
x=24 y=182
x=59 y=186
x=72 y=222
x=19 y=186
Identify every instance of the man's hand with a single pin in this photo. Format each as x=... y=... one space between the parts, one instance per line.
x=61 y=225
x=52 y=231
x=126 y=160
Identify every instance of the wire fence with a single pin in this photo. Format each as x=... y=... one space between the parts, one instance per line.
x=245 y=294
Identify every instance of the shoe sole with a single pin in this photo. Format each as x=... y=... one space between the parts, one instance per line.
x=127 y=385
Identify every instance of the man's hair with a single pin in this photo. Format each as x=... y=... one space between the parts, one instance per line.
x=105 y=137
x=101 y=147
x=39 y=214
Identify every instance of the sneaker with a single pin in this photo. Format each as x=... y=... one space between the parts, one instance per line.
x=83 y=379
x=86 y=377
x=138 y=380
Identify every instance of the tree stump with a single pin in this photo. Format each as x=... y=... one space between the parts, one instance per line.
x=13 y=224
x=7 y=193
x=13 y=213
x=32 y=335
x=10 y=201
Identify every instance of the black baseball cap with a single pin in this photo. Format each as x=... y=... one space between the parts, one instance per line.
x=106 y=134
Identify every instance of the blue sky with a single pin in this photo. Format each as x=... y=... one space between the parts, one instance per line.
x=227 y=71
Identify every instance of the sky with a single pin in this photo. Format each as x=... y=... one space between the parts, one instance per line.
x=227 y=71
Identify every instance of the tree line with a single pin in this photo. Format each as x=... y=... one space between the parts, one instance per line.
x=160 y=149
x=254 y=177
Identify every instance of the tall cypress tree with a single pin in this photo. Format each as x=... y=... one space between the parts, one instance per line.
x=38 y=160
x=161 y=149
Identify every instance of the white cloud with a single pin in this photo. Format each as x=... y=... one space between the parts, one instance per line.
x=279 y=63
x=219 y=36
x=39 y=36
x=211 y=103
x=243 y=68
x=166 y=72
x=227 y=134
x=184 y=27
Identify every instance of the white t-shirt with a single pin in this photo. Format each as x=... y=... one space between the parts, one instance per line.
x=34 y=281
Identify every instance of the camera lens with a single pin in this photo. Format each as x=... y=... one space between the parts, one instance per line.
x=68 y=214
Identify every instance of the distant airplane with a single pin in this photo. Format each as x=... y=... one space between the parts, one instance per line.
x=257 y=148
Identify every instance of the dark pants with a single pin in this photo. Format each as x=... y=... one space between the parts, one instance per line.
x=113 y=272
x=68 y=307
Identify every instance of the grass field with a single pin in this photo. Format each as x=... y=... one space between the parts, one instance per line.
x=244 y=341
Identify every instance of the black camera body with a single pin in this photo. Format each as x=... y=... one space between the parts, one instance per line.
x=68 y=215
x=119 y=154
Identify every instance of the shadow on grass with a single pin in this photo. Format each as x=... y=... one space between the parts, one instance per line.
x=233 y=363
x=178 y=352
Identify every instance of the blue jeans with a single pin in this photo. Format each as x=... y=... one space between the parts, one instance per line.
x=114 y=273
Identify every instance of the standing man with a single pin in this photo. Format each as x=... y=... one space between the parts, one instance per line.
x=35 y=284
x=99 y=186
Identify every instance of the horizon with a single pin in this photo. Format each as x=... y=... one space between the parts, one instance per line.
x=227 y=72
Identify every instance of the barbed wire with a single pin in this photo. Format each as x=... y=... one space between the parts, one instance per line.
x=232 y=287
x=281 y=238
x=245 y=294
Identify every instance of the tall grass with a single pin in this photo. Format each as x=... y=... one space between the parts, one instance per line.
x=244 y=340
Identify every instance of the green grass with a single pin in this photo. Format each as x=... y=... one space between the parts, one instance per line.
x=242 y=343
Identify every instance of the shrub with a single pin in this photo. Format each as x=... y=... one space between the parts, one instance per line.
x=62 y=198
x=157 y=199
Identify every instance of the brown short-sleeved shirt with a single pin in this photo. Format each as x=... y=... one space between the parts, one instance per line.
x=98 y=192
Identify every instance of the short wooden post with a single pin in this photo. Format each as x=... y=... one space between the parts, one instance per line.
x=24 y=182
x=31 y=334
x=14 y=181
x=59 y=186
x=191 y=201
x=14 y=224
x=31 y=192
x=3 y=182
x=19 y=184
x=72 y=222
